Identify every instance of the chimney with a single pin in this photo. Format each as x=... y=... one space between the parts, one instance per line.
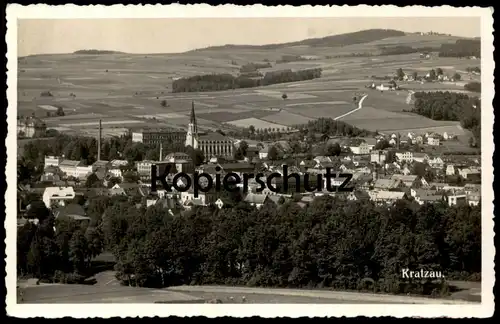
x=99 y=141
x=161 y=152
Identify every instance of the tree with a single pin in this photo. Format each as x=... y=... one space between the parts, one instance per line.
x=284 y=96
x=92 y=181
x=415 y=75
x=391 y=157
x=272 y=154
x=251 y=129
x=164 y=103
x=457 y=76
x=60 y=111
x=400 y=74
x=382 y=144
x=333 y=149
x=196 y=155
x=439 y=71
x=432 y=75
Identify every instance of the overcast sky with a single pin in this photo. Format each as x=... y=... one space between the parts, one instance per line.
x=175 y=35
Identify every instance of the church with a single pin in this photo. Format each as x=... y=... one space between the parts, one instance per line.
x=211 y=144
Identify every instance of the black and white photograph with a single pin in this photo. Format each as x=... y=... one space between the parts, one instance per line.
x=249 y=155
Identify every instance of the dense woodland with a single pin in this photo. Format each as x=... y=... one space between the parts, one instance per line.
x=473 y=87
x=330 y=243
x=360 y=37
x=461 y=48
x=254 y=67
x=451 y=106
x=220 y=82
x=403 y=49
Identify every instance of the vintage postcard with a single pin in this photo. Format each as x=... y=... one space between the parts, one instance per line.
x=249 y=161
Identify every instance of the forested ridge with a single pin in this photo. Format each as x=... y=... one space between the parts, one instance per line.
x=359 y=37
x=461 y=48
x=221 y=82
x=451 y=106
x=330 y=243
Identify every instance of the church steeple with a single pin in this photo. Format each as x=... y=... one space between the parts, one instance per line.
x=192 y=133
x=193 y=119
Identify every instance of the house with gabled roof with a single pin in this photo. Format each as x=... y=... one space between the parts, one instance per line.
x=386 y=197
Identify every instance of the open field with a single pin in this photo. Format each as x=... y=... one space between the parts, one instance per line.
x=127 y=90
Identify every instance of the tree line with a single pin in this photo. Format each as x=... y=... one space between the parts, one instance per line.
x=220 y=82
x=332 y=242
x=473 y=87
x=404 y=49
x=451 y=106
x=461 y=48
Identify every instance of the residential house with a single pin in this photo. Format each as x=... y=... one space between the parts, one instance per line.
x=470 y=173
x=406 y=156
x=116 y=172
x=470 y=188
x=419 y=139
x=358 y=195
x=74 y=211
x=386 y=197
x=436 y=162
x=438 y=186
x=450 y=170
x=322 y=159
x=405 y=171
x=410 y=180
x=117 y=191
x=378 y=156
x=203 y=199
x=474 y=198
x=50 y=160
x=256 y=200
x=362 y=148
x=118 y=163
x=420 y=157
x=51 y=174
x=68 y=167
x=387 y=184
x=433 y=140
x=449 y=136
x=263 y=153
x=457 y=198
x=57 y=196
x=100 y=165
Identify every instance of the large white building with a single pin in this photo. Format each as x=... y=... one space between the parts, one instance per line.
x=212 y=145
x=75 y=169
x=58 y=196
x=362 y=148
x=50 y=160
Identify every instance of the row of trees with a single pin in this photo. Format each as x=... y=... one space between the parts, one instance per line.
x=330 y=243
x=254 y=67
x=404 y=49
x=220 y=82
x=461 y=48
x=451 y=106
x=473 y=87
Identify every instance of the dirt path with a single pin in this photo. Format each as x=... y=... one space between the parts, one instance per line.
x=360 y=105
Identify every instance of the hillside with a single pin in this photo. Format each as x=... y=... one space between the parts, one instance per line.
x=360 y=37
x=97 y=52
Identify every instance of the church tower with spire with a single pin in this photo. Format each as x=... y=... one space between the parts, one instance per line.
x=192 y=132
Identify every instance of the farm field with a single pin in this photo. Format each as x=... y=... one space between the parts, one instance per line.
x=135 y=90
